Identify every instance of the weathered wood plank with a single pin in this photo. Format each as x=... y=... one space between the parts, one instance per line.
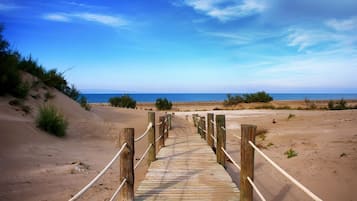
x=186 y=169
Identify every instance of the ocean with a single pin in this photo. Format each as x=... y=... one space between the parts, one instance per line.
x=197 y=97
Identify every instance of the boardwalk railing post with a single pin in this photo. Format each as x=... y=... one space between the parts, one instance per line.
x=152 y=151
x=166 y=126
x=194 y=118
x=127 y=164
x=170 y=119
x=198 y=123
x=161 y=131
x=247 y=162
x=203 y=126
x=221 y=139
x=210 y=131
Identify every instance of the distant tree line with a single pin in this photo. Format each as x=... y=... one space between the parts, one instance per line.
x=125 y=101
x=261 y=96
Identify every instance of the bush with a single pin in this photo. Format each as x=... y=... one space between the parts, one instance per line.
x=163 y=104
x=291 y=153
x=261 y=96
x=51 y=121
x=72 y=92
x=84 y=103
x=21 y=90
x=338 y=105
x=123 y=101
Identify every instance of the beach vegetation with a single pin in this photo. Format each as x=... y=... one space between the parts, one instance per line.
x=12 y=63
x=163 y=104
x=124 y=101
x=337 y=105
x=291 y=116
x=310 y=105
x=290 y=153
x=52 y=121
x=84 y=103
x=258 y=97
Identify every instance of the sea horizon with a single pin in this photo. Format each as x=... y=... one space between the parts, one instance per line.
x=213 y=97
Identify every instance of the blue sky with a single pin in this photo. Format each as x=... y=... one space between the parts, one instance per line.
x=190 y=45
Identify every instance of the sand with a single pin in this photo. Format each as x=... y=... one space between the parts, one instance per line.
x=38 y=166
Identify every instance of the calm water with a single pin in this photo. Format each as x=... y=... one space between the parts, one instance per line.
x=191 y=97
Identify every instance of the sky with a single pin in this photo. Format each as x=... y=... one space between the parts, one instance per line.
x=163 y=46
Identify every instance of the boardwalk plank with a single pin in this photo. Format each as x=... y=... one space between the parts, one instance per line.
x=186 y=169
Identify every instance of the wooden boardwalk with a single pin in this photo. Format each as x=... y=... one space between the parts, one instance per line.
x=186 y=169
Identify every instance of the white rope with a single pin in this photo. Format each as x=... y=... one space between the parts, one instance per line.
x=230 y=158
x=237 y=137
x=256 y=189
x=146 y=132
x=157 y=139
x=204 y=130
x=75 y=197
x=118 y=190
x=142 y=157
x=292 y=179
x=214 y=139
x=223 y=128
x=214 y=123
x=158 y=124
x=165 y=131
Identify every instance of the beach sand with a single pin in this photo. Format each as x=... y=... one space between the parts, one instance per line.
x=38 y=166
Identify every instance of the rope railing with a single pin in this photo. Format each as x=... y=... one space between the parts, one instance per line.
x=146 y=132
x=214 y=139
x=118 y=190
x=84 y=189
x=214 y=123
x=292 y=179
x=248 y=135
x=230 y=158
x=256 y=189
x=143 y=156
x=157 y=139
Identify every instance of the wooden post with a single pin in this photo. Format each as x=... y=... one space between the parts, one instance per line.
x=221 y=139
x=161 y=131
x=170 y=118
x=247 y=162
x=203 y=126
x=194 y=118
x=210 y=129
x=127 y=164
x=152 y=138
x=166 y=126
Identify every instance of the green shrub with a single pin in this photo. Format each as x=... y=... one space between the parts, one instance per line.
x=84 y=103
x=163 y=104
x=261 y=96
x=123 y=101
x=9 y=74
x=71 y=92
x=290 y=153
x=51 y=121
x=338 y=105
x=233 y=100
x=291 y=116
x=29 y=65
x=21 y=90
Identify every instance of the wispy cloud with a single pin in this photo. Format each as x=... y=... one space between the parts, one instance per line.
x=343 y=25
x=8 y=7
x=108 y=20
x=57 y=17
x=226 y=10
x=305 y=38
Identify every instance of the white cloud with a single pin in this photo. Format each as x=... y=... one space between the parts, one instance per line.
x=57 y=17
x=226 y=10
x=108 y=20
x=342 y=25
x=103 y=19
x=305 y=38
